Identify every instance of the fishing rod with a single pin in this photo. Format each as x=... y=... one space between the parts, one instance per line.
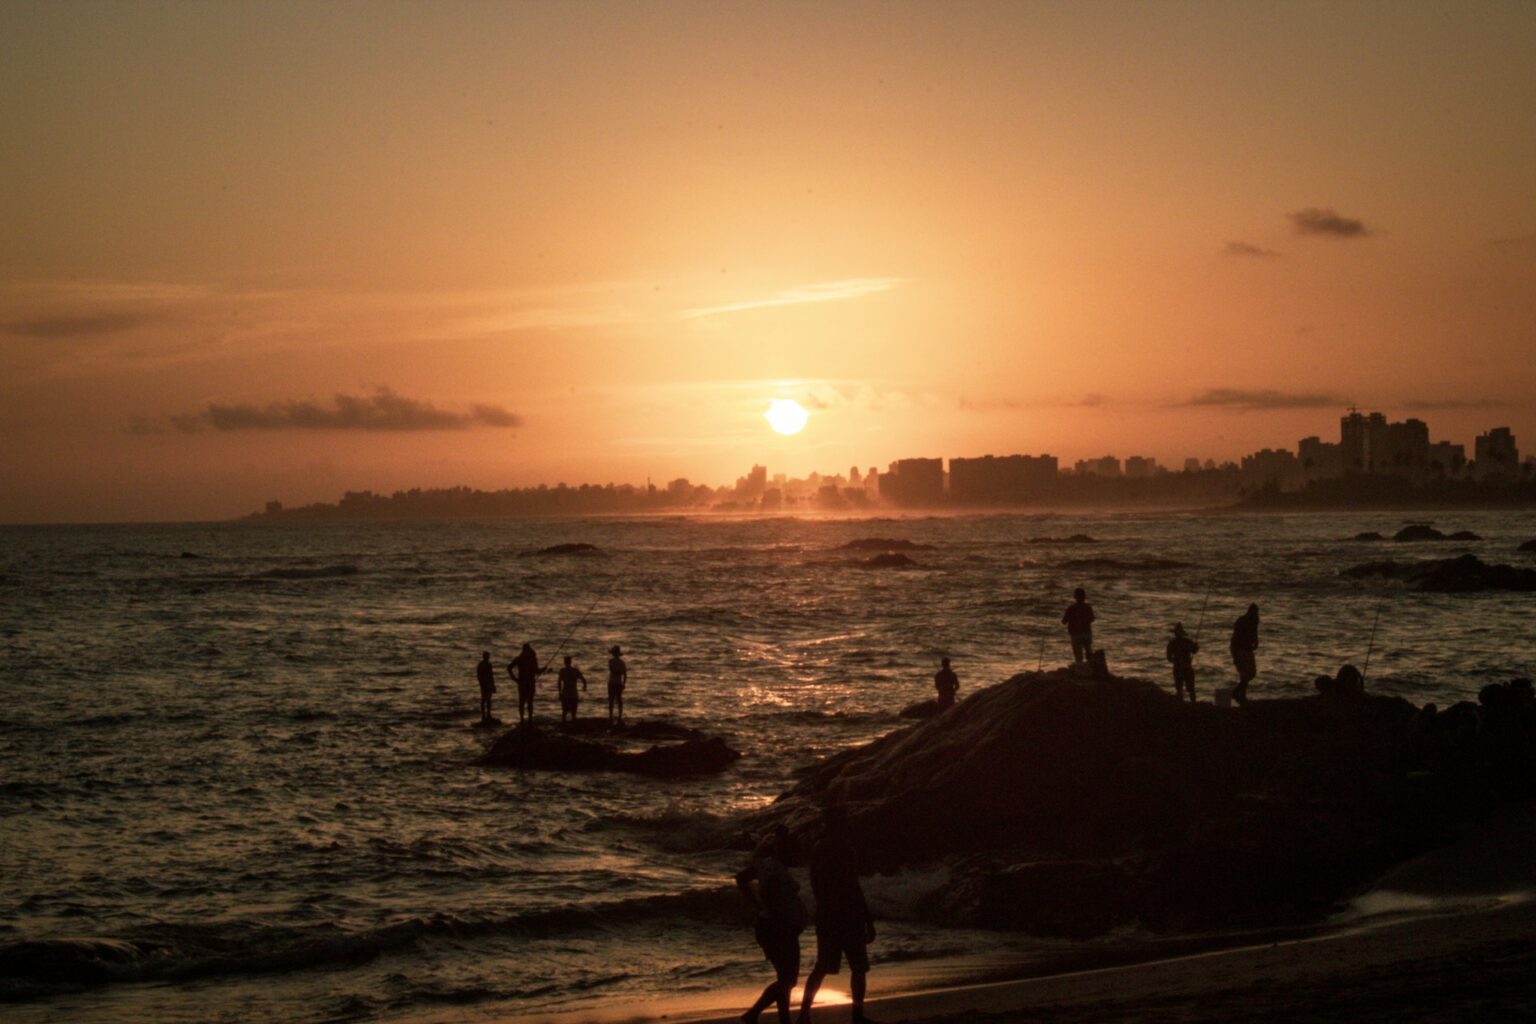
x=1370 y=647
x=583 y=618
x=1040 y=665
x=1201 y=624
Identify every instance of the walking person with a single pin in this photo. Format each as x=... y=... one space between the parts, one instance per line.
x=1245 y=642
x=565 y=684
x=525 y=671
x=1182 y=651
x=618 y=676
x=844 y=926
x=486 y=674
x=947 y=684
x=1079 y=622
x=779 y=919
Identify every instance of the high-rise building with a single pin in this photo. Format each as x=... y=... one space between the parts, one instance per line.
x=1496 y=456
x=1140 y=466
x=914 y=482
x=1319 y=459
x=1106 y=466
x=1006 y=479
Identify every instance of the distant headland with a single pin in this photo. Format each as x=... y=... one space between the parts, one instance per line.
x=1374 y=464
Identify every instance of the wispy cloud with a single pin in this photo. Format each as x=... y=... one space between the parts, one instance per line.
x=1245 y=249
x=1316 y=220
x=83 y=325
x=384 y=410
x=827 y=291
x=1260 y=400
x=1438 y=404
x=1089 y=401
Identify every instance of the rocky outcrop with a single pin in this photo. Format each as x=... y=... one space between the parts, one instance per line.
x=580 y=549
x=1423 y=531
x=530 y=747
x=1066 y=807
x=1449 y=575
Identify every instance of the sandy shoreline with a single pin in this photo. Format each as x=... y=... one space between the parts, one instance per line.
x=1448 y=936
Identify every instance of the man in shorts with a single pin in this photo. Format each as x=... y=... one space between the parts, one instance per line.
x=844 y=926
x=487 y=677
x=618 y=675
x=566 y=682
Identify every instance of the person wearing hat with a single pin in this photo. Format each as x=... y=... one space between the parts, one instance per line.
x=1182 y=651
x=618 y=675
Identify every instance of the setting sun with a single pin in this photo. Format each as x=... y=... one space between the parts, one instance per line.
x=786 y=416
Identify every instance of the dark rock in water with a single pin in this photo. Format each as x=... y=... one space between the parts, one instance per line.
x=598 y=725
x=922 y=709
x=1369 y=535
x=1076 y=538
x=1418 y=531
x=530 y=747
x=889 y=560
x=570 y=549
x=1068 y=807
x=1529 y=545
x=1463 y=535
x=188 y=554
x=1464 y=574
x=883 y=544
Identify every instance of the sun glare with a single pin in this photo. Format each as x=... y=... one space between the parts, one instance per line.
x=786 y=416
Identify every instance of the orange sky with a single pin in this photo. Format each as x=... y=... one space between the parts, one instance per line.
x=590 y=242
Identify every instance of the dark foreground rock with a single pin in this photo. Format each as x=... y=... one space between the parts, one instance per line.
x=1071 y=808
x=531 y=747
x=1464 y=574
x=922 y=709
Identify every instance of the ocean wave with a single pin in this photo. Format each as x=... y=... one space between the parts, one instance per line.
x=322 y=572
x=36 y=968
x=1123 y=564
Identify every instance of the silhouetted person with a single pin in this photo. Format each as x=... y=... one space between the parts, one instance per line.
x=525 y=671
x=1182 y=651
x=1349 y=684
x=1079 y=622
x=618 y=676
x=565 y=684
x=487 y=676
x=844 y=926
x=947 y=683
x=1245 y=641
x=778 y=922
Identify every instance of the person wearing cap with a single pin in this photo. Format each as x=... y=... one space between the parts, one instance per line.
x=844 y=925
x=947 y=683
x=1079 y=622
x=1182 y=651
x=618 y=675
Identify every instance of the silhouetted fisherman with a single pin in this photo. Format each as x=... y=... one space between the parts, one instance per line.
x=947 y=683
x=525 y=671
x=618 y=676
x=487 y=676
x=1245 y=641
x=779 y=920
x=1182 y=651
x=1079 y=622
x=565 y=683
x=844 y=926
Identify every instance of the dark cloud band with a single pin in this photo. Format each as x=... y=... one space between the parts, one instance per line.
x=384 y=410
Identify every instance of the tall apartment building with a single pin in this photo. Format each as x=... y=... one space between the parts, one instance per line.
x=1001 y=479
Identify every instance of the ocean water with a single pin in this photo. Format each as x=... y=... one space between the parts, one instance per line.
x=240 y=786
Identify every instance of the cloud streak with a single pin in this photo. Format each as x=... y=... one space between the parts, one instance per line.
x=826 y=291
x=1325 y=221
x=87 y=325
x=1252 y=251
x=384 y=410
x=1257 y=401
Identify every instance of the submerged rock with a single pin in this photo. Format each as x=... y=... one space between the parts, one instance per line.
x=889 y=560
x=1369 y=535
x=530 y=747
x=1464 y=574
x=1066 y=807
x=1076 y=538
x=570 y=549
x=1423 y=531
x=883 y=544
x=1464 y=535
x=1529 y=545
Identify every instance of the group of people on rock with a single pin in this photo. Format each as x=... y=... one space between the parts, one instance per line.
x=1181 y=649
x=844 y=925
x=525 y=671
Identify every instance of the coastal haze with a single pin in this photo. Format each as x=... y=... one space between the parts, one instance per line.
x=282 y=252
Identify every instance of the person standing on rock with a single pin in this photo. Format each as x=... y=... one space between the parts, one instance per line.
x=844 y=926
x=525 y=671
x=618 y=676
x=1182 y=651
x=778 y=921
x=565 y=683
x=1079 y=623
x=947 y=683
x=1245 y=641
x=486 y=674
